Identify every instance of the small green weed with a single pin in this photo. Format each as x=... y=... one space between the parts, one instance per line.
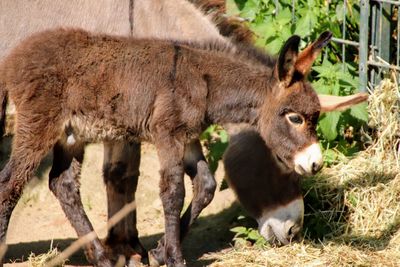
x=245 y=236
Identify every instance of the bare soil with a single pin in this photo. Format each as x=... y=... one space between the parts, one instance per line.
x=39 y=223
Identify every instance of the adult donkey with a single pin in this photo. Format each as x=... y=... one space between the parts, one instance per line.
x=170 y=91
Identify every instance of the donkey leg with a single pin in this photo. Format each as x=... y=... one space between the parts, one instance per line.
x=204 y=183
x=121 y=173
x=204 y=186
x=64 y=183
x=5 y=174
x=33 y=139
x=172 y=193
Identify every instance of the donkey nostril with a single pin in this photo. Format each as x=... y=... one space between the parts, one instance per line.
x=290 y=232
x=293 y=232
x=316 y=167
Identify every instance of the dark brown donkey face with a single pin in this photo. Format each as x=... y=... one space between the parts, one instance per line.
x=264 y=186
x=288 y=124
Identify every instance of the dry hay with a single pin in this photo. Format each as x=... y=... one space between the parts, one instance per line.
x=43 y=260
x=352 y=209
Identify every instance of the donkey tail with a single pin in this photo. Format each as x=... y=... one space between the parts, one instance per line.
x=3 y=107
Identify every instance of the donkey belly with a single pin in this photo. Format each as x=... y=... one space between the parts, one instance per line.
x=95 y=129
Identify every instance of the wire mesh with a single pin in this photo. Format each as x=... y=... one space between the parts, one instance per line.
x=379 y=40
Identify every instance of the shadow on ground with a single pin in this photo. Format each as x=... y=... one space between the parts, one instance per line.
x=208 y=234
x=326 y=219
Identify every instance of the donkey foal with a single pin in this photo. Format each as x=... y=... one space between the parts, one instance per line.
x=108 y=88
x=266 y=188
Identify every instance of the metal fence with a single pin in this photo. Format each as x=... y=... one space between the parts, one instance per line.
x=379 y=40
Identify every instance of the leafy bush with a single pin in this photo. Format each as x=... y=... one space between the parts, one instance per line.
x=274 y=22
x=215 y=139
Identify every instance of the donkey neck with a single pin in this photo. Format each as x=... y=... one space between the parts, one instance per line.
x=236 y=92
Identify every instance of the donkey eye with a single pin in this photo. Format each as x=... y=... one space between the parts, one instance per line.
x=296 y=119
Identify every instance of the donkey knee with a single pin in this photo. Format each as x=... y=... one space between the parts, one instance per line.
x=118 y=173
x=65 y=186
x=172 y=190
x=205 y=183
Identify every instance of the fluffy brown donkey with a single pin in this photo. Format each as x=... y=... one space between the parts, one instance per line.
x=114 y=88
x=178 y=20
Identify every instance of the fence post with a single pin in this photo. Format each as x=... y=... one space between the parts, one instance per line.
x=363 y=53
x=385 y=16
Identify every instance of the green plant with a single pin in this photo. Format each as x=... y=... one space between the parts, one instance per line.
x=248 y=236
x=215 y=138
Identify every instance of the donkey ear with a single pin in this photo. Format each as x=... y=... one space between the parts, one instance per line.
x=310 y=53
x=285 y=66
x=336 y=103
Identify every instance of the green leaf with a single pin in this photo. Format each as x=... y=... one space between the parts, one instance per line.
x=321 y=87
x=260 y=42
x=239 y=229
x=305 y=24
x=336 y=88
x=284 y=17
x=207 y=132
x=264 y=30
x=328 y=125
x=254 y=235
x=223 y=135
x=285 y=34
x=340 y=12
x=274 y=46
x=360 y=112
x=249 y=10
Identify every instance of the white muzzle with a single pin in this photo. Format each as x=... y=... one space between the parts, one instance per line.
x=309 y=160
x=282 y=223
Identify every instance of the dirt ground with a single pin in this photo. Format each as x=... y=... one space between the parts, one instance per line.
x=38 y=222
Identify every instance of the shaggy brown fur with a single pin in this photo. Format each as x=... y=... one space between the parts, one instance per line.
x=113 y=88
x=276 y=186
x=152 y=18
x=276 y=192
x=229 y=27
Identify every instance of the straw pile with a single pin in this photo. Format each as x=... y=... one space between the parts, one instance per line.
x=352 y=209
x=42 y=259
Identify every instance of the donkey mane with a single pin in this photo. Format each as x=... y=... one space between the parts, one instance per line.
x=241 y=37
x=239 y=51
x=244 y=53
x=228 y=26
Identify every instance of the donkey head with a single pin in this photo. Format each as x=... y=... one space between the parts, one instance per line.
x=270 y=193
x=288 y=123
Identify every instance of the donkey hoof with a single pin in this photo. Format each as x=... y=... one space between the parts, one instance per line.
x=135 y=261
x=104 y=263
x=155 y=259
x=176 y=264
x=133 y=254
